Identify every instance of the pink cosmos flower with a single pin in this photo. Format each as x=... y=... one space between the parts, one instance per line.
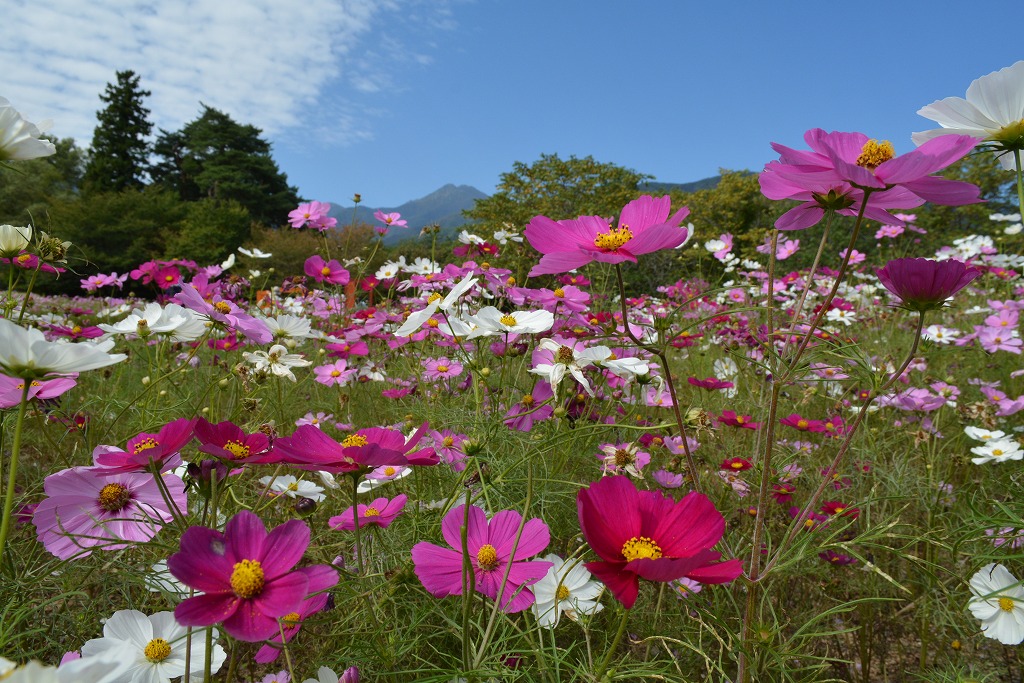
x=729 y=417
x=311 y=214
x=336 y=373
x=448 y=445
x=309 y=448
x=225 y=312
x=227 y=441
x=246 y=575
x=12 y=388
x=855 y=256
x=841 y=166
x=490 y=546
x=145 y=449
x=623 y=458
x=646 y=535
x=88 y=509
x=380 y=512
x=644 y=226
x=923 y=284
x=993 y=339
x=436 y=369
x=393 y=219
x=530 y=408
x=331 y=271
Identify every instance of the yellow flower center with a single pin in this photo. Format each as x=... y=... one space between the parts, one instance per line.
x=247 y=579
x=487 y=557
x=640 y=547
x=433 y=297
x=510 y=282
x=560 y=293
x=237 y=449
x=801 y=424
x=997 y=452
x=528 y=400
x=508 y=320
x=114 y=497
x=389 y=471
x=371 y=512
x=157 y=650
x=432 y=323
x=168 y=278
x=448 y=442
x=875 y=153
x=222 y=307
x=291 y=620
x=736 y=465
x=354 y=440
x=294 y=486
x=1006 y=604
x=562 y=593
x=613 y=239
x=325 y=271
x=739 y=419
x=76 y=330
x=145 y=445
x=564 y=355
x=24 y=258
x=623 y=457
x=442 y=368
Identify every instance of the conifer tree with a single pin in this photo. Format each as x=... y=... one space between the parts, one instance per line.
x=119 y=157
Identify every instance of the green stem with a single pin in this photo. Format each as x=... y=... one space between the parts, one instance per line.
x=468 y=583
x=28 y=292
x=355 y=518
x=12 y=474
x=1020 y=183
x=614 y=646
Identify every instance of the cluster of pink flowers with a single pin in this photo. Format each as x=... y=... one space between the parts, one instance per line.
x=312 y=215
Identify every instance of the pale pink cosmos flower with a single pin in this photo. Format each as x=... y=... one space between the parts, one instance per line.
x=393 y=219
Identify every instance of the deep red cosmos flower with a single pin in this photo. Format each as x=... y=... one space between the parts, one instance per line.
x=923 y=284
x=310 y=449
x=647 y=535
x=147 y=449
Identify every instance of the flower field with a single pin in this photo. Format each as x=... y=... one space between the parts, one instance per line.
x=505 y=462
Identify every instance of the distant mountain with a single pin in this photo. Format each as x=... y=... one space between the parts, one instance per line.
x=705 y=184
x=443 y=206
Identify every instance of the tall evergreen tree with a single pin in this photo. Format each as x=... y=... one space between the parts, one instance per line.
x=214 y=156
x=119 y=159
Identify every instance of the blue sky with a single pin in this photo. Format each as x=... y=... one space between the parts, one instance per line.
x=393 y=99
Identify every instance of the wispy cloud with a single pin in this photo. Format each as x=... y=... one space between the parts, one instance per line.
x=282 y=66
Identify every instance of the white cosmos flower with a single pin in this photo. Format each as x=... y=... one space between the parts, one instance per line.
x=286 y=326
x=25 y=353
x=19 y=139
x=422 y=266
x=434 y=304
x=153 y=319
x=490 y=321
x=287 y=485
x=993 y=111
x=939 y=334
x=997 y=450
x=276 y=361
x=567 y=359
x=157 y=646
x=13 y=239
x=981 y=434
x=253 y=253
x=567 y=587
x=110 y=667
x=999 y=603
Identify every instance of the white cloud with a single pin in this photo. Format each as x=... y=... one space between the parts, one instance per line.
x=282 y=66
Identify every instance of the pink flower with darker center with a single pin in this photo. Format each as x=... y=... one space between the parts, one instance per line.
x=228 y=441
x=331 y=271
x=246 y=575
x=380 y=512
x=644 y=226
x=86 y=509
x=923 y=284
x=393 y=219
x=147 y=450
x=12 y=388
x=493 y=553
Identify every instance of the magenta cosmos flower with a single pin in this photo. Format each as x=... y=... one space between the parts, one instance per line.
x=841 y=167
x=644 y=226
x=330 y=272
x=309 y=448
x=246 y=575
x=380 y=512
x=146 y=450
x=646 y=535
x=86 y=508
x=490 y=548
x=228 y=441
x=923 y=284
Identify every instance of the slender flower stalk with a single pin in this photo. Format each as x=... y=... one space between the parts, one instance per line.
x=12 y=474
